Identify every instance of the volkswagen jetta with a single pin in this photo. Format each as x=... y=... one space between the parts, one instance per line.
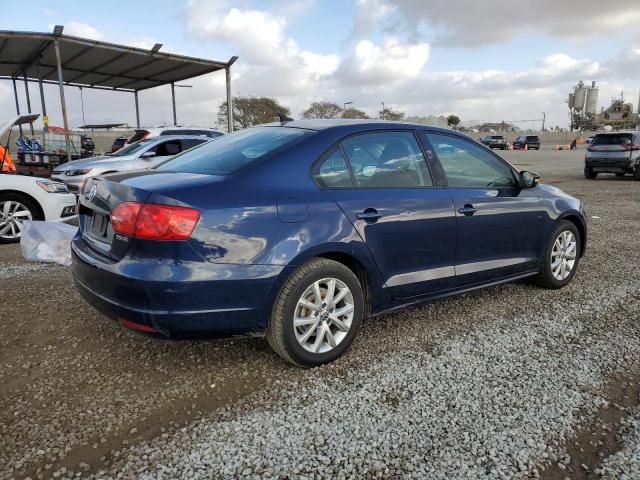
x=301 y=229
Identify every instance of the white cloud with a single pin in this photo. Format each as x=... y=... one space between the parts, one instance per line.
x=391 y=61
x=472 y=23
x=80 y=29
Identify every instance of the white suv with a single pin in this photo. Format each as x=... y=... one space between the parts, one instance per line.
x=141 y=133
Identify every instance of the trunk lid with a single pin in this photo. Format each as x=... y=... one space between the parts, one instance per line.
x=101 y=195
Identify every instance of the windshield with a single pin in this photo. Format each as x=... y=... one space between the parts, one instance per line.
x=131 y=148
x=613 y=139
x=230 y=153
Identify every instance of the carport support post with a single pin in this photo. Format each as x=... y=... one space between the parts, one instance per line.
x=15 y=94
x=227 y=71
x=135 y=96
x=173 y=103
x=44 y=110
x=26 y=91
x=62 y=101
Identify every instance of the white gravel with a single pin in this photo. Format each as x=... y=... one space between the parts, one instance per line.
x=625 y=464
x=495 y=403
x=8 y=270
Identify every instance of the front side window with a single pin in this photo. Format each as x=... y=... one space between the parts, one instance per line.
x=230 y=153
x=468 y=166
x=333 y=171
x=166 y=149
x=387 y=160
x=132 y=148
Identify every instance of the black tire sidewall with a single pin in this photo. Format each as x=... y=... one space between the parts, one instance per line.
x=297 y=352
x=549 y=279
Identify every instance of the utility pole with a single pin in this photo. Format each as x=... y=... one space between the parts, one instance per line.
x=544 y=117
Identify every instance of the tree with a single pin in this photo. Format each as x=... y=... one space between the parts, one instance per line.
x=250 y=111
x=322 y=110
x=353 y=113
x=453 y=121
x=393 y=115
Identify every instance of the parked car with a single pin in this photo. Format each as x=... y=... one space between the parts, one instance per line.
x=589 y=139
x=118 y=143
x=142 y=154
x=532 y=142
x=24 y=198
x=494 y=141
x=615 y=152
x=142 y=133
x=298 y=230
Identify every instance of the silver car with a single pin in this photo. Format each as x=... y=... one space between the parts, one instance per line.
x=145 y=153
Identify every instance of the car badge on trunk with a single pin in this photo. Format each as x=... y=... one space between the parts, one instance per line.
x=92 y=192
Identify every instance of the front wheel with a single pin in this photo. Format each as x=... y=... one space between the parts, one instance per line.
x=317 y=313
x=636 y=173
x=15 y=209
x=619 y=174
x=561 y=257
x=589 y=173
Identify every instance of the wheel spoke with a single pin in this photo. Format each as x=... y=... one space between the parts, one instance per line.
x=309 y=305
x=343 y=311
x=5 y=229
x=339 y=323
x=308 y=333
x=303 y=321
x=341 y=294
x=5 y=208
x=317 y=293
x=319 y=337
x=331 y=288
x=330 y=338
x=22 y=213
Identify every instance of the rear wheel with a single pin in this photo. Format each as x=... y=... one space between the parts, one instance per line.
x=15 y=209
x=561 y=257
x=619 y=174
x=636 y=173
x=317 y=313
x=589 y=173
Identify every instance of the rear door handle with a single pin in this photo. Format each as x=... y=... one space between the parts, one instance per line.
x=370 y=215
x=468 y=210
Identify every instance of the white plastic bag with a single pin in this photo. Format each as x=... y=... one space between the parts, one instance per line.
x=47 y=242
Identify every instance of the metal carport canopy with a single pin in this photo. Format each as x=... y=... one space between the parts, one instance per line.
x=80 y=62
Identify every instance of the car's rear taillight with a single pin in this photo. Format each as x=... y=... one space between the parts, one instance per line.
x=152 y=221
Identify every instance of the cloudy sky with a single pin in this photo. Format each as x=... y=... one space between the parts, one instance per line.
x=491 y=61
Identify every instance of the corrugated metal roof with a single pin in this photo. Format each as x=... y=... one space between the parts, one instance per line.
x=95 y=64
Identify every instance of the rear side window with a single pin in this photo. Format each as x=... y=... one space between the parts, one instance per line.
x=387 y=160
x=613 y=139
x=332 y=172
x=230 y=153
x=138 y=135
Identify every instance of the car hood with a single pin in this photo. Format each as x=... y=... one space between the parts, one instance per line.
x=92 y=162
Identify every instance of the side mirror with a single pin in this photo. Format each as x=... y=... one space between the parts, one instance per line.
x=529 y=179
x=149 y=154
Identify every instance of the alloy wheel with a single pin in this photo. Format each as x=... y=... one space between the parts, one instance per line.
x=323 y=315
x=12 y=214
x=563 y=255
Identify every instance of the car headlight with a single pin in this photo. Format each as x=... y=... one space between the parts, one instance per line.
x=52 y=187
x=75 y=173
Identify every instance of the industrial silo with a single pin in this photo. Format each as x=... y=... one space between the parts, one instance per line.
x=579 y=96
x=592 y=99
x=571 y=100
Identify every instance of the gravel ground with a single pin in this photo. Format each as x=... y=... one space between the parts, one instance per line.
x=499 y=383
x=625 y=464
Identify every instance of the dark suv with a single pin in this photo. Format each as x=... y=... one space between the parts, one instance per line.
x=532 y=142
x=494 y=141
x=616 y=152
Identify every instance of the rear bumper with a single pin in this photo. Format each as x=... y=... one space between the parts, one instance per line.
x=178 y=299
x=607 y=165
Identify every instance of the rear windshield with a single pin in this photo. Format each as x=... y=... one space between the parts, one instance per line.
x=613 y=139
x=534 y=138
x=497 y=137
x=131 y=148
x=138 y=135
x=230 y=153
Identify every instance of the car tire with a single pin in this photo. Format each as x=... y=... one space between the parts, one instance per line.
x=563 y=247
x=17 y=203
x=307 y=342
x=636 y=173
x=589 y=173
x=619 y=174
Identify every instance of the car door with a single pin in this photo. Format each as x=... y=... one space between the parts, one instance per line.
x=382 y=183
x=159 y=153
x=498 y=222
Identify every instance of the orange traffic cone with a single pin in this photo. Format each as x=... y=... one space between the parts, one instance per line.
x=526 y=147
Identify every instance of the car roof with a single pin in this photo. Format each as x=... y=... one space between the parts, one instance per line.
x=175 y=137
x=162 y=129
x=353 y=125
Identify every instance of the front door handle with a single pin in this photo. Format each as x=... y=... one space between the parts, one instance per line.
x=468 y=210
x=370 y=215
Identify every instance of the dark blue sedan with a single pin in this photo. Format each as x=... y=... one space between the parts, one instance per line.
x=299 y=230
